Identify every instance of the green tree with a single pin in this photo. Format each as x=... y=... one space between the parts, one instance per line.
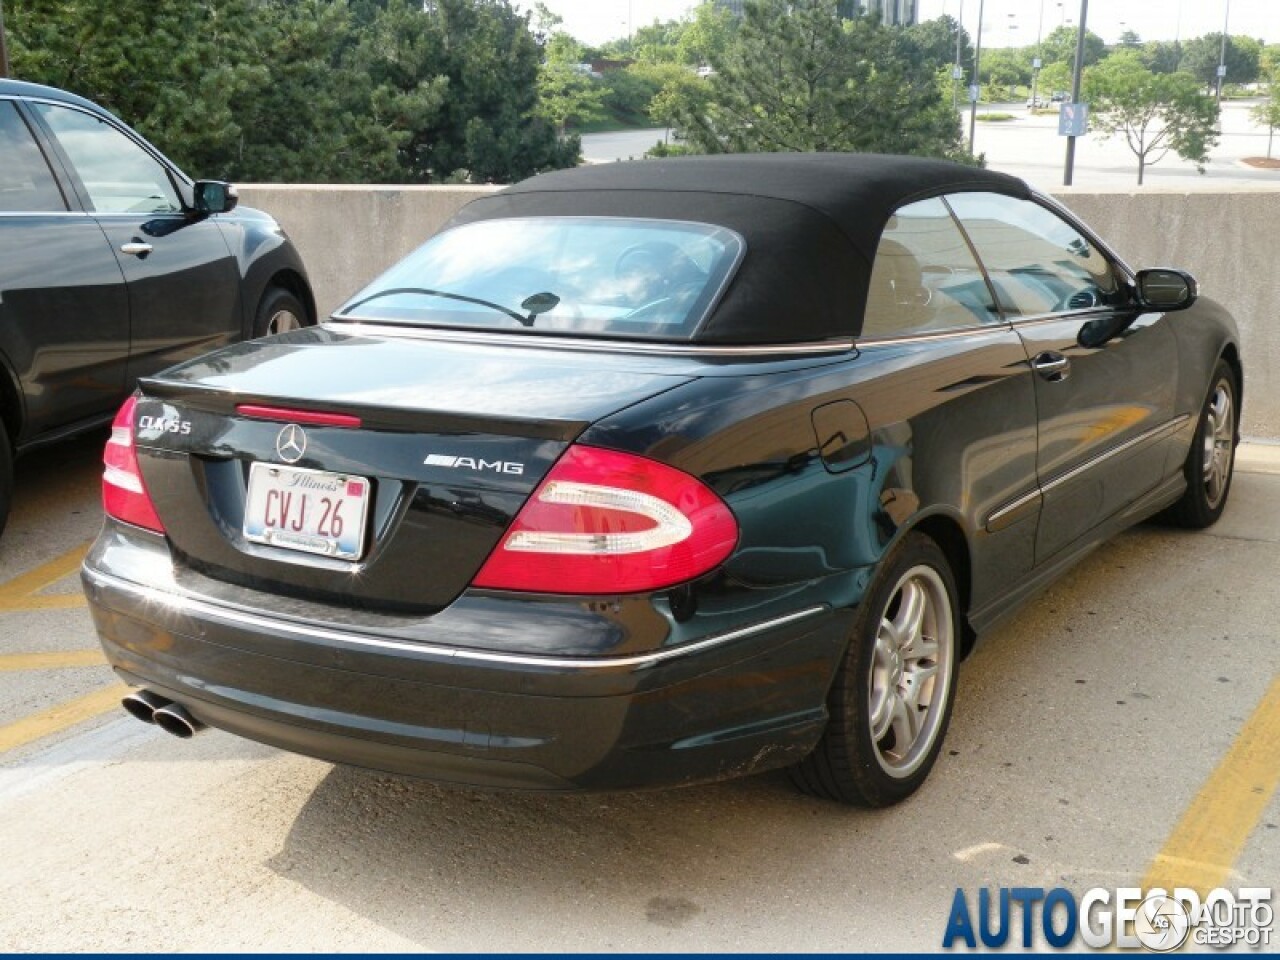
x=1267 y=113
x=1060 y=47
x=797 y=77
x=1200 y=58
x=934 y=43
x=1269 y=61
x=1056 y=77
x=1155 y=112
x=1130 y=39
x=174 y=69
x=565 y=94
x=1006 y=67
x=706 y=35
x=320 y=90
x=1162 y=56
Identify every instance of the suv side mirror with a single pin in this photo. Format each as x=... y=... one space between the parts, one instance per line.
x=1164 y=289
x=215 y=196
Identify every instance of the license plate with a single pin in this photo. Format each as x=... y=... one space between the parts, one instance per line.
x=308 y=510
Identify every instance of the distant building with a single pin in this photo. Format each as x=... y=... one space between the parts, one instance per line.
x=899 y=13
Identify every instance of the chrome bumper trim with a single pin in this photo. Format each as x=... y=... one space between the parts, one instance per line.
x=228 y=615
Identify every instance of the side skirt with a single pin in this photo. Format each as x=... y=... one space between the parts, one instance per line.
x=1042 y=577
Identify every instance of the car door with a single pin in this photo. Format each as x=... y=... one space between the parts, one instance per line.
x=1104 y=379
x=183 y=282
x=64 y=312
x=949 y=395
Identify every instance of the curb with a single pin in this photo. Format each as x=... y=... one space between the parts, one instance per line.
x=1258 y=457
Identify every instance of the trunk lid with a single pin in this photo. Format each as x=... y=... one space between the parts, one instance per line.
x=438 y=445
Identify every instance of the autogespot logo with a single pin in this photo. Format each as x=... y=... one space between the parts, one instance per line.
x=1128 y=918
x=1162 y=923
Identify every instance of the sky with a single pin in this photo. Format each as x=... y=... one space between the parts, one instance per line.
x=1005 y=22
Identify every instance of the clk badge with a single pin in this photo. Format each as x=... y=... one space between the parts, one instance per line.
x=291 y=443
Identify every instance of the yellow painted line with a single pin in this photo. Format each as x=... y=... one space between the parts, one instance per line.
x=59 y=660
x=59 y=718
x=1207 y=841
x=22 y=592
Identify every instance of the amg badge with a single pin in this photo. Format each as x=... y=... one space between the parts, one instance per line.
x=474 y=463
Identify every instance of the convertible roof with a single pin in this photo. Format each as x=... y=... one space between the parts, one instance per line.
x=811 y=223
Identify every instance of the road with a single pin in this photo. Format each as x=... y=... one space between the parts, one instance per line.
x=1029 y=147
x=1085 y=730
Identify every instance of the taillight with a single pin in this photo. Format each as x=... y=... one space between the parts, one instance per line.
x=609 y=522
x=124 y=495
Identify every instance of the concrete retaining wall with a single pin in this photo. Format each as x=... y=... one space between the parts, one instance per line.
x=1230 y=240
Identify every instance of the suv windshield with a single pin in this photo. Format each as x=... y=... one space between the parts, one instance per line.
x=593 y=276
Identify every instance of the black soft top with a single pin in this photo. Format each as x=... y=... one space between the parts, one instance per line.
x=811 y=222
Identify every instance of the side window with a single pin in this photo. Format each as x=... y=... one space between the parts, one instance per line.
x=27 y=185
x=119 y=175
x=925 y=277
x=1037 y=261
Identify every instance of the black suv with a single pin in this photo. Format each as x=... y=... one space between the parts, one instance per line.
x=113 y=265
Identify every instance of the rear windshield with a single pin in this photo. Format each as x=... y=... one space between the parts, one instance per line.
x=585 y=276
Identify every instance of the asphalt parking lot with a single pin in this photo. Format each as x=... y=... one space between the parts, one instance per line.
x=1123 y=730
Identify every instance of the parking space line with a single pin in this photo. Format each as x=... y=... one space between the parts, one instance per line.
x=59 y=718
x=1208 y=839
x=58 y=660
x=23 y=591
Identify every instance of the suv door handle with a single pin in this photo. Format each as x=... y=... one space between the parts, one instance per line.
x=1054 y=367
x=136 y=248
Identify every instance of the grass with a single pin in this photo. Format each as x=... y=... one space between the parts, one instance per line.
x=995 y=117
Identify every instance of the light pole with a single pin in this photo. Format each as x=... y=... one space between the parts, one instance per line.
x=956 y=71
x=977 y=81
x=1037 y=62
x=1075 y=92
x=1222 y=54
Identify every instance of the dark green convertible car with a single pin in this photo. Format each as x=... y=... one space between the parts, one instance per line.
x=660 y=472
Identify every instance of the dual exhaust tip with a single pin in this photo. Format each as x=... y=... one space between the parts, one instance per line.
x=168 y=716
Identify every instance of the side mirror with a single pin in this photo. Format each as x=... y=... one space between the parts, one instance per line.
x=215 y=196
x=1163 y=289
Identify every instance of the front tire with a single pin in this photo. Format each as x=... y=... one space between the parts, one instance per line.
x=891 y=701
x=279 y=312
x=6 y=478
x=1210 y=462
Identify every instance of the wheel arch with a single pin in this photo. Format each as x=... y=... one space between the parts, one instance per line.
x=11 y=407
x=296 y=284
x=948 y=532
x=1231 y=354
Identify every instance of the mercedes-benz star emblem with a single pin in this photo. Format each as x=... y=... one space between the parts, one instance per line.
x=291 y=443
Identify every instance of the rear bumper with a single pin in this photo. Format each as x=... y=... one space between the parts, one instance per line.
x=732 y=703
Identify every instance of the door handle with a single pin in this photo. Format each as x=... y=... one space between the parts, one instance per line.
x=1054 y=367
x=136 y=248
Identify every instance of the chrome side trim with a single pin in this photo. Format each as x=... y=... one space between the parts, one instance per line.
x=368 y=327
x=43 y=213
x=997 y=520
x=191 y=605
x=1169 y=426
x=925 y=337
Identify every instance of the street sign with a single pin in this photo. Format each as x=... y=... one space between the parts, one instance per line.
x=1035 y=64
x=957 y=72
x=1073 y=119
x=973 y=93
x=1222 y=69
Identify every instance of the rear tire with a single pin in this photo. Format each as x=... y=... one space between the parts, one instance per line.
x=1210 y=462
x=890 y=704
x=279 y=312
